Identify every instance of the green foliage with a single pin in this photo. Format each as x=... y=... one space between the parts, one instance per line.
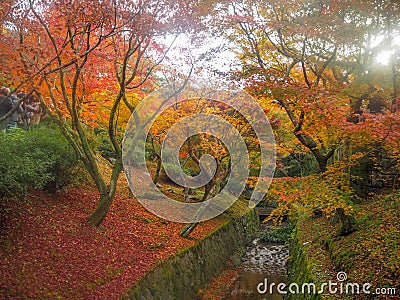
x=370 y=254
x=105 y=149
x=278 y=235
x=100 y=141
x=268 y=201
x=189 y=169
x=40 y=158
x=297 y=165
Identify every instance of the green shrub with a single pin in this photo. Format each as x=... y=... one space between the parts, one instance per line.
x=40 y=158
x=297 y=165
x=100 y=141
x=278 y=235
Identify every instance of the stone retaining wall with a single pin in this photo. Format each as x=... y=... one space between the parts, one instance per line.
x=182 y=275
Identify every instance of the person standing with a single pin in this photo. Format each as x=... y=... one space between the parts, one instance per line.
x=34 y=111
x=5 y=106
x=7 y=103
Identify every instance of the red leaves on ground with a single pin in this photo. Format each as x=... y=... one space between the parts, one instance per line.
x=49 y=251
x=220 y=285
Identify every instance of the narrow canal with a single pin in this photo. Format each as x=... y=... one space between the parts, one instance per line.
x=263 y=263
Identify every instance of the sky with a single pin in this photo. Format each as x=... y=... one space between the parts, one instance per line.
x=211 y=56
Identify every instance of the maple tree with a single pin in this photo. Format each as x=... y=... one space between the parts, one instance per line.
x=88 y=61
x=308 y=55
x=203 y=143
x=312 y=65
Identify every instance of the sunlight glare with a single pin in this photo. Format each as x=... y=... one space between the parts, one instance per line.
x=384 y=57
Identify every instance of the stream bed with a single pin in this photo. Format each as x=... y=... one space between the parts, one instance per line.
x=263 y=262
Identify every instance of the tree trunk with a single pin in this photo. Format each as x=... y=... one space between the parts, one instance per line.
x=107 y=197
x=187 y=230
x=322 y=159
x=158 y=170
x=97 y=217
x=319 y=153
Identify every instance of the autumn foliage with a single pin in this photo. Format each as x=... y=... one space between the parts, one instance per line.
x=89 y=63
x=315 y=67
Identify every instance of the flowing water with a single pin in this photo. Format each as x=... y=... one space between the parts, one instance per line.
x=262 y=264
